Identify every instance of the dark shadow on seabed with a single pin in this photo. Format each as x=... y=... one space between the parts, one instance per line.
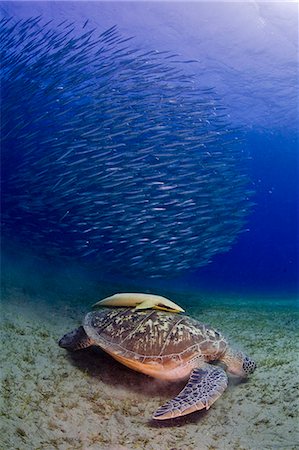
x=99 y=366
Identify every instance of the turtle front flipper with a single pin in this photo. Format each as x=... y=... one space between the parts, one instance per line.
x=204 y=387
x=75 y=340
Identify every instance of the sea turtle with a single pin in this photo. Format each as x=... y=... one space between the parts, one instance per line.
x=167 y=346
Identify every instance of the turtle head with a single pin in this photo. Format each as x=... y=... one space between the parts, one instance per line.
x=238 y=363
x=248 y=365
x=75 y=340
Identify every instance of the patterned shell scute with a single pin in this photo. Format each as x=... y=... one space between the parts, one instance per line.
x=152 y=333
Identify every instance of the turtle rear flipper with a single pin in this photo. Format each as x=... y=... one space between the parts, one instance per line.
x=204 y=387
x=75 y=340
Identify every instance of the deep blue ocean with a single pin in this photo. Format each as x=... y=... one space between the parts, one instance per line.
x=266 y=257
x=252 y=76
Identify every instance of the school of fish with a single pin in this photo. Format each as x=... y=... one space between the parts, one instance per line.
x=113 y=155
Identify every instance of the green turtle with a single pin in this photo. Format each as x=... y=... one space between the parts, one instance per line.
x=166 y=346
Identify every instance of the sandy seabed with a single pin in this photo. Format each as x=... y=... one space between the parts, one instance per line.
x=54 y=400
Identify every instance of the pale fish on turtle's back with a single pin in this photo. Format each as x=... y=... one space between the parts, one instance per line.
x=140 y=301
x=166 y=346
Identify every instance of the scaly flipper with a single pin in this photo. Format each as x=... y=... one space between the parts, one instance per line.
x=140 y=301
x=205 y=385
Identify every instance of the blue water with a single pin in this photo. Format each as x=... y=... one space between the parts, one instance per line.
x=266 y=256
x=255 y=80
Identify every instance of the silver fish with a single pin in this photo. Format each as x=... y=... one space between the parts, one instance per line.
x=114 y=154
